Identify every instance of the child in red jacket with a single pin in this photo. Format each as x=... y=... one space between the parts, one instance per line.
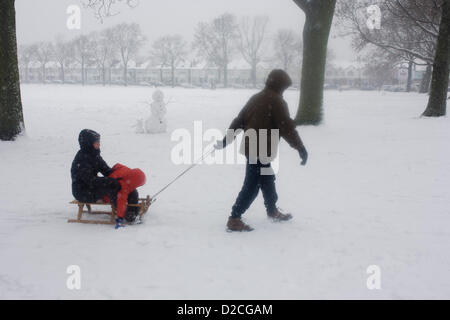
x=130 y=180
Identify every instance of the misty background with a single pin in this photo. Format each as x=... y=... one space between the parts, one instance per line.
x=43 y=20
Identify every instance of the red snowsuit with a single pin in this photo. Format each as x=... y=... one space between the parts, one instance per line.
x=130 y=180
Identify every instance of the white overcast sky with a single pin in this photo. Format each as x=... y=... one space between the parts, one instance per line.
x=44 y=19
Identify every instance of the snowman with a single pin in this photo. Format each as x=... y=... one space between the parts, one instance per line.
x=157 y=122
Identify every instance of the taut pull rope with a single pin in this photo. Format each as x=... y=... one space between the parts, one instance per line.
x=198 y=161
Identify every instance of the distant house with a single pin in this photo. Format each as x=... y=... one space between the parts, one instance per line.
x=187 y=73
x=352 y=76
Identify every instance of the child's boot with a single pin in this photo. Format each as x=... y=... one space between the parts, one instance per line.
x=119 y=223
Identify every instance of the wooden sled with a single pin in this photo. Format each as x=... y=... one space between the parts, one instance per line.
x=143 y=204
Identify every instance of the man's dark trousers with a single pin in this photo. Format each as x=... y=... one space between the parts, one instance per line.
x=254 y=181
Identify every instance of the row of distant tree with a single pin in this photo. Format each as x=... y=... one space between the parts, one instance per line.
x=216 y=42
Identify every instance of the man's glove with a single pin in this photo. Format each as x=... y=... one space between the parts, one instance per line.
x=304 y=155
x=221 y=144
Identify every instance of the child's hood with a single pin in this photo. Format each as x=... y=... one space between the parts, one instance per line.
x=86 y=139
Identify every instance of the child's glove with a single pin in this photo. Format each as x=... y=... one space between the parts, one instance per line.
x=119 y=223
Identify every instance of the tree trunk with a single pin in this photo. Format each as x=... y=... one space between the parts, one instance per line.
x=134 y=77
x=43 y=73
x=82 y=72
x=103 y=75
x=225 y=75
x=437 y=103
x=410 y=74
x=11 y=114
x=319 y=17
x=173 y=75
x=125 y=75
x=254 y=75
x=425 y=84
x=63 y=77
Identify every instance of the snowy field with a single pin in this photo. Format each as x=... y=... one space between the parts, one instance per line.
x=375 y=192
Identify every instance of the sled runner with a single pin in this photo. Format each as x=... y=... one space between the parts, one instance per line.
x=144 y=204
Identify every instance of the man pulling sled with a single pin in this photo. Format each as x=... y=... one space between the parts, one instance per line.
x=264 y=112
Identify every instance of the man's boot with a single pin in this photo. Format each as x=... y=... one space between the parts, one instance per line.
x=276 y=216
x=236 y=224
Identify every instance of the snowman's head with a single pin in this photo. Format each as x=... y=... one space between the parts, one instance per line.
x=158 y=96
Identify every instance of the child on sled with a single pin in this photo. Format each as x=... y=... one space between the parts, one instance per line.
x=118 y=184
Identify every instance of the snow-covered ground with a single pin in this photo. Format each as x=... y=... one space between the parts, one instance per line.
x=375 y=192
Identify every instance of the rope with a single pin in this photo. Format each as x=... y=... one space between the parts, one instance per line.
x=197 y=162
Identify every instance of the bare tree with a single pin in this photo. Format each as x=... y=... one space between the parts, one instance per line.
x=379 y=65
x=44 y=53
x=62 y=54
x=82 y=53
x=287 y=47
x=408 y=29
x=157 y=59
x=412 y=30
x=11 y=114
x=128 y=39
x=103 y=52
x=107 y=8
x=26 y=55
x=319 y=16
x=215 y=41
x=169 y=50
x=399 y=31
x=252 y=34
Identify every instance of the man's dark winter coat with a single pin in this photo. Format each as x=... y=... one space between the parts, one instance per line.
x=268 y=110
x=86 y=184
